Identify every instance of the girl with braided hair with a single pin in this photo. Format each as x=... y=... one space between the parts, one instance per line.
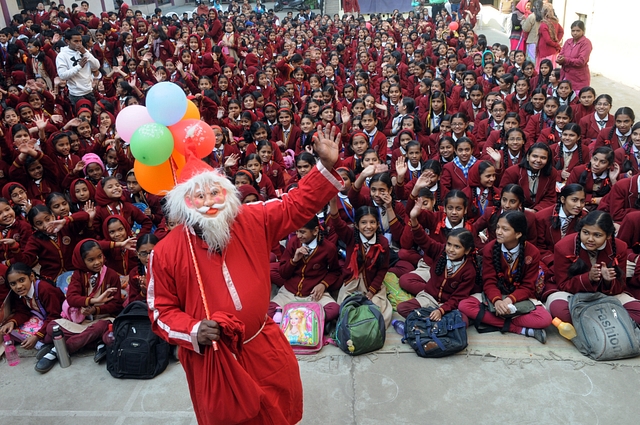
x=536 y=175
x=456 y=274
x=592 y=124
x=534 y=106
x=618 y=135
x=597 y=176
x=510 y=271
x=511 y=199
x=456 y=173
x=628 y=157
x=390 y=212
x=453 y=216
x=509 y=152
x=307 y=270
x=553 y=134
x=137 y=288
x=557 y=222
x=497 y=137
x=592 y=260
x=481 y=191
x=437 y=110
x=570 y=152
x=367 y=260
x=542 y=120
x=429 y=179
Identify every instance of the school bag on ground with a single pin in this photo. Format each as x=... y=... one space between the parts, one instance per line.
x=604 y=329
x=360 y=328
x=303 y=326
x=136 y=352
x=435 y=339
x=395 y=294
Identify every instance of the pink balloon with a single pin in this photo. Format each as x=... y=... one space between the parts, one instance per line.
x=453 y=26
x=130 y=119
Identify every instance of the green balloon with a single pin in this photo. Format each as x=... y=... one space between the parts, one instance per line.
x=152 y=144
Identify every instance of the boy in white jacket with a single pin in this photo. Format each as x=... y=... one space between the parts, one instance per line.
x=75 y=64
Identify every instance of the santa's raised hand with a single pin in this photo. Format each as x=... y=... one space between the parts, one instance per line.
x=326 y=146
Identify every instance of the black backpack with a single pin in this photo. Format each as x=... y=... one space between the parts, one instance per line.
x=136 y=352
x=435 y=339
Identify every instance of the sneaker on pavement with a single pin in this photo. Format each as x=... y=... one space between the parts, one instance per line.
x=540 y=335
x=101 y=353
x=47 y=361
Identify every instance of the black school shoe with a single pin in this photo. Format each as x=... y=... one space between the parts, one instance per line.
x=44 y=350
x=47 y=362
x=101 y=353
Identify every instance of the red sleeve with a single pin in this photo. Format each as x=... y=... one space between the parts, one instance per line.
x=113 y=307
x=75 y=296
x=51 y=299
x=467 y=280
x=140 y=218
x=20 y=312
x=344 y=232
x=357 y=198
x=564 y=259
x=431 y=248
x=298 y=206
x=445 y=177
x=526 y=288
x=581 y=58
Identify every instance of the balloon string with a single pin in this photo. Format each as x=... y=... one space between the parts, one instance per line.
x=174 y=168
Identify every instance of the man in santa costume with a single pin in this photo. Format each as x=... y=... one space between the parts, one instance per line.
x=209 y=289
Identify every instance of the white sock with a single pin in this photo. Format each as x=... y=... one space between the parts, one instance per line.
x=527 y=331
x=51 y=355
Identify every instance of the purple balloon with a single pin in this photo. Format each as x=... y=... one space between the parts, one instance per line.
x=130 y=119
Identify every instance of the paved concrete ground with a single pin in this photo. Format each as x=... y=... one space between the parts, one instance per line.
x=392 y=388
x=371 y=389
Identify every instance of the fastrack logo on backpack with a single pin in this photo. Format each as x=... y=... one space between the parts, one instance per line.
x=609 y=329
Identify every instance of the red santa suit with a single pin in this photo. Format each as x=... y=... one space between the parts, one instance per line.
x=236 y=284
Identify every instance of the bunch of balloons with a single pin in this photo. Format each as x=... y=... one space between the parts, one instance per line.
x=157 y=134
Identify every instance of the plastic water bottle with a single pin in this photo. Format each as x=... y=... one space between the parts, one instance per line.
x=566 y=329
x=278 y=316
x=10 y=350
x=398 y=325
x=61 y=347
x=110 y=337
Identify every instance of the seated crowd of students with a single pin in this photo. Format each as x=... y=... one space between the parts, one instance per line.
x=466 y=171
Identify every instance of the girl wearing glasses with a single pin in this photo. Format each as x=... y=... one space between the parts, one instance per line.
x=138 y=275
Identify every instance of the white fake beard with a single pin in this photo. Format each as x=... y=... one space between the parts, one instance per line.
x=214 y=230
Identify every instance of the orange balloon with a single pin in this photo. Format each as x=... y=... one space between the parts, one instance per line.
x=158 y=179
x=197 y=132
x=192 y=112
x=178 y=161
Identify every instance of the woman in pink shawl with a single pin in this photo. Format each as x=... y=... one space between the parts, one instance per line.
x=574 y=58
x=550 y=36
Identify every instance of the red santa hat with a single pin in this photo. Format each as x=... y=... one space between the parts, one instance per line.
x=193 y=166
